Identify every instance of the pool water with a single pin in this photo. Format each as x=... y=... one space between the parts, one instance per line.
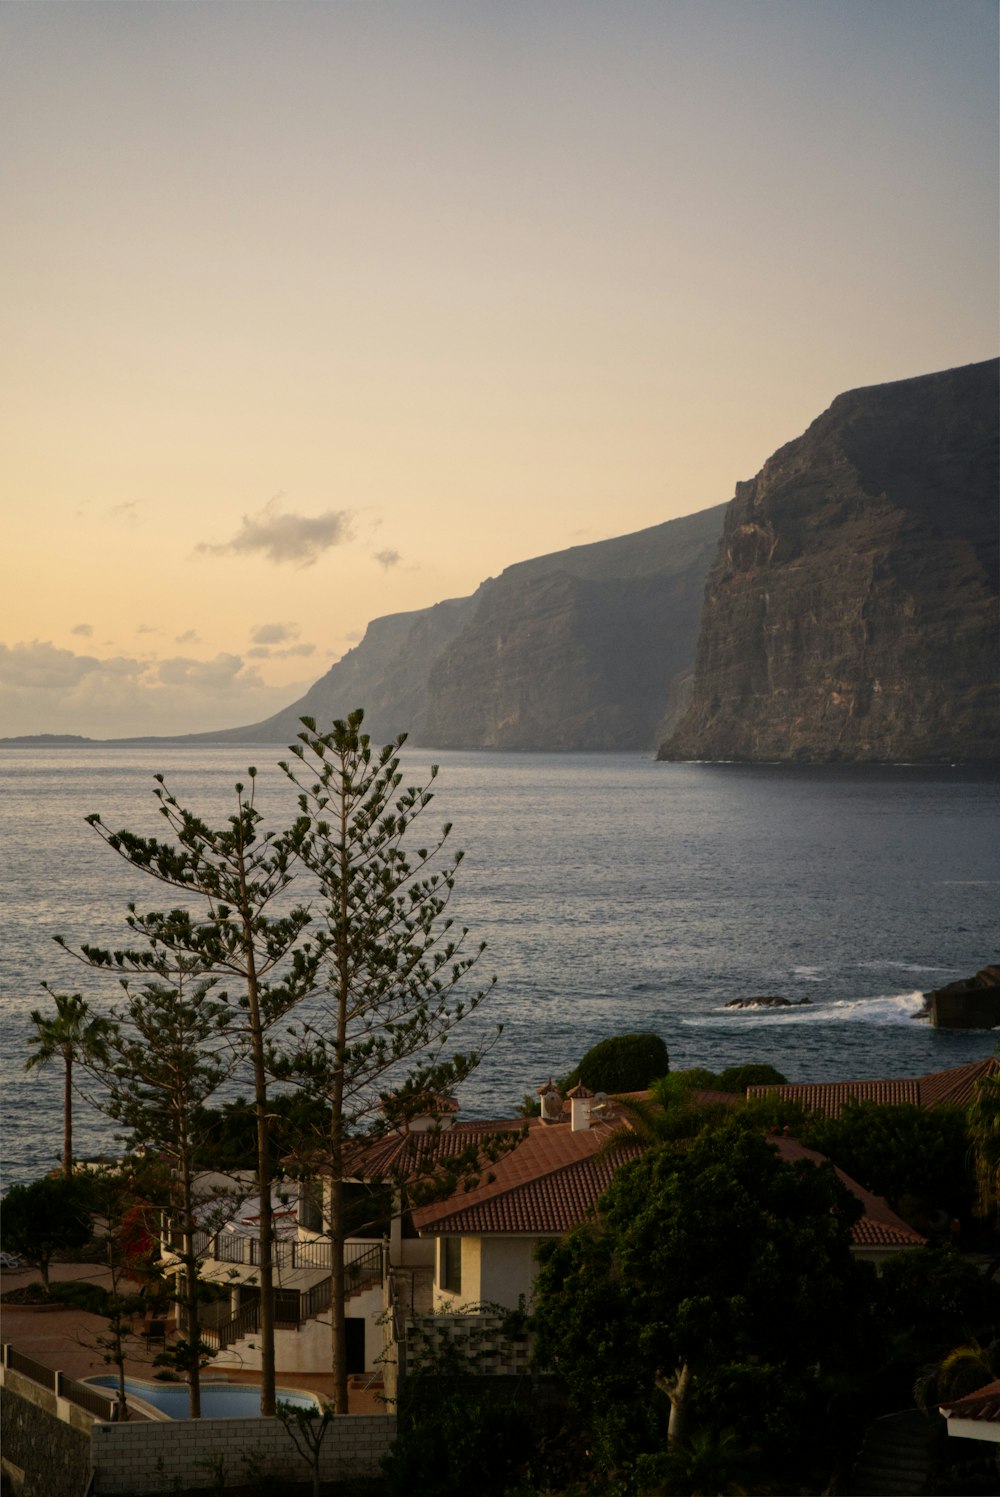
x=218 y=1400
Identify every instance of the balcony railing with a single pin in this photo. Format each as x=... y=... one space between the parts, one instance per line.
x=229 y=1247
x=364 y=1262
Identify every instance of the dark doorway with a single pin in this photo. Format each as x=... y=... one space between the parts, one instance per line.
x=355 y=1328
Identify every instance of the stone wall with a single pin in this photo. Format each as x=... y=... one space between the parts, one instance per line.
x=44 y=1455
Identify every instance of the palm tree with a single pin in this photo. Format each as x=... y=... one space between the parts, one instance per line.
x=73 y=1035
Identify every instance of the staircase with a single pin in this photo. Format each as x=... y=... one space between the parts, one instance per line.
x=897 y=1457
x=293 y=1308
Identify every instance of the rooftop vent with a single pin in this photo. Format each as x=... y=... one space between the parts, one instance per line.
x=580 y=1103
x=551 y=1100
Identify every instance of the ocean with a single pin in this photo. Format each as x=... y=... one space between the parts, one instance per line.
x=614 y=894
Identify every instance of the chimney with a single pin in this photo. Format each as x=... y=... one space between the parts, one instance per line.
x=551 y=1101
x=579 y=1106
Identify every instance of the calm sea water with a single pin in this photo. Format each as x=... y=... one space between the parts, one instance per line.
x=614 y=894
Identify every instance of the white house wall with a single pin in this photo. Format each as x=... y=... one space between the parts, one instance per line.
x=495 y=1270
x=308 y=1349
x=507 y=1270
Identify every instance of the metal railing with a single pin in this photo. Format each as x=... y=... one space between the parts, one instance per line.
x=229 y=1247
x=95 y=1400
x=363 y=1262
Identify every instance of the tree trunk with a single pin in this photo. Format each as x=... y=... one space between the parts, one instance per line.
x=192 y=1304
x=677 y=1389
x=68 y=1114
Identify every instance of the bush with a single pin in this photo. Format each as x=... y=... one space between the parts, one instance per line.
x=624 y=1063
x=738 y=1078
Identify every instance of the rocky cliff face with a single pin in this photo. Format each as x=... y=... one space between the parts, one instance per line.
x=585 y=649
x=386 y=674
x=851 y=611
x=582 y=649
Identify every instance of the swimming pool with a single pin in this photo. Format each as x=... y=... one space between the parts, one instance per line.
x=218 y=1400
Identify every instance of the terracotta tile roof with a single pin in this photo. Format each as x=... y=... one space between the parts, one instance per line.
x=829 y=1097
x=549 y=1183
x=879 y=1227
x=956 y=1086
x=410 y=1154
x=982 y=1406
x=937 y=1087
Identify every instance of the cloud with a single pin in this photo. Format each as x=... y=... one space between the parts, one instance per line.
x=299 y=539
x=203 y=675
x=86 y=630
x=388 y=558
x=126 y=511
x=146 y=629
x=189 y=637
x=44 y=689
x=274 y=634
x=41 y=666
x=264 y=652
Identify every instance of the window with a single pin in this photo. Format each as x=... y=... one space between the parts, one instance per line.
x=451 y=1264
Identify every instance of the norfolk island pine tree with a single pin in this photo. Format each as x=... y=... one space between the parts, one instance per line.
x=233 y=874
x=391 y=961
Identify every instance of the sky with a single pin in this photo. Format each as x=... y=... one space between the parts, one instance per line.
x=315 y=312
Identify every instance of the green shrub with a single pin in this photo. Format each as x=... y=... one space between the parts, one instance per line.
x=623 y=1063
x=738 y=1078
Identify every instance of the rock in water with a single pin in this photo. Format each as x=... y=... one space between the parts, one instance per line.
x=970 y=1003
x=851 y=612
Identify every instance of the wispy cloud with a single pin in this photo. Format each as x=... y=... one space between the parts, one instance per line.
x=84 y=630
x=127 y=512
x=189 y=637
x=388 y=558
x=285 y=537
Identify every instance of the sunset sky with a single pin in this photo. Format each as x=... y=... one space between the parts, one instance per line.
x=320 y=311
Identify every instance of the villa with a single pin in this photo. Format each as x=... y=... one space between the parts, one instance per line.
x=468 y=1246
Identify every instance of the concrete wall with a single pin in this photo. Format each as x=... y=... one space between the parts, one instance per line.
x=134 y=1459
x=308 y=1348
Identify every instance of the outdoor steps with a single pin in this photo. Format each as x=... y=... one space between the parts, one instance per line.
x=897 y=1457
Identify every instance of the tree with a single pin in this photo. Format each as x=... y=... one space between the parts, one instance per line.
x=235 y=875
x=47 y=1217
x=738 y=1078
x=74 y=1036
x=307 y=1429
x=120 y=1199
x=623 y=1063
x=392 y=959
x=160 y=1064
x=918 y=1158
x=714 y=1291
x=983 y=1121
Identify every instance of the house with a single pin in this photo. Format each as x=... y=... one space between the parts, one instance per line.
x=976 y=1416
x=485 y=1237
x=448 y=1214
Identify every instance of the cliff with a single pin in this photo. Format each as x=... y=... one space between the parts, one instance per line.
x=851 y=611
x=386 y=674
x=584 y=649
